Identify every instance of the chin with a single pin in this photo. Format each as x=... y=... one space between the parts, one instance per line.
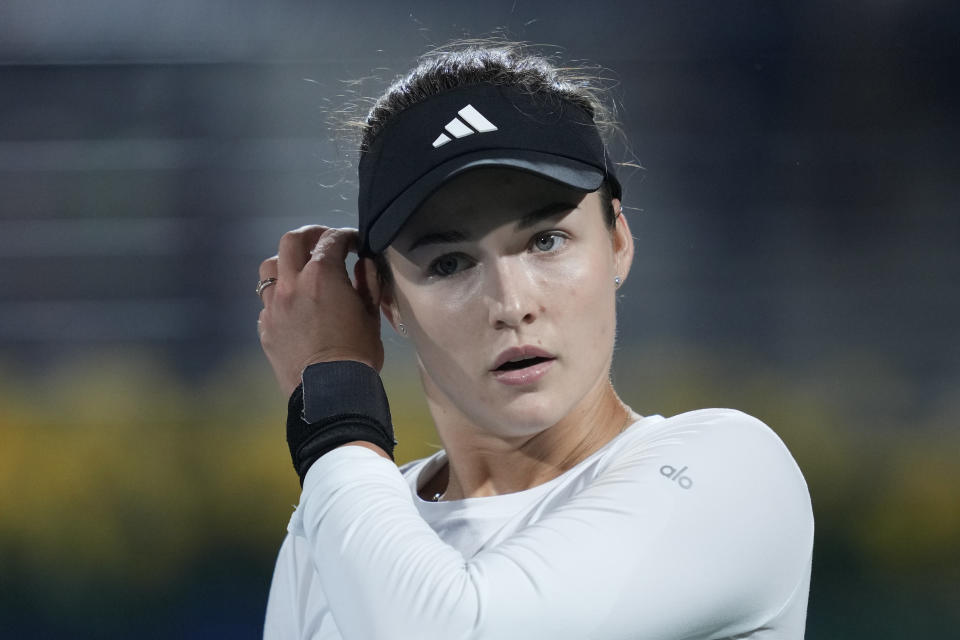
x=526 y=415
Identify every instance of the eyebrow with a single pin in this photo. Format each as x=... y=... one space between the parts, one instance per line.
x=451 y=236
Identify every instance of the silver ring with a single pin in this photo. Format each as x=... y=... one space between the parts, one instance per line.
x=263 y=284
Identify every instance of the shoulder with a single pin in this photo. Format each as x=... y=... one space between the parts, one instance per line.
x=729 y=422
x=730 y=449
x=724 y=435
x=740 y=500
x=727 y=471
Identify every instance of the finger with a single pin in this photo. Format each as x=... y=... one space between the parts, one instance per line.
x=261 y=323
x=368 y=284
x=268 y=269
x=330 y=252
x=294 y=251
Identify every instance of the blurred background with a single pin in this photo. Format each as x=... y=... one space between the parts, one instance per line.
x=797 y=232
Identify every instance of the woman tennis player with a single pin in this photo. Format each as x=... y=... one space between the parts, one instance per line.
x=492 y=237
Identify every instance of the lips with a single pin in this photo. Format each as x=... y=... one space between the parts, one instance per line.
x=517 y=358
x=522 y=366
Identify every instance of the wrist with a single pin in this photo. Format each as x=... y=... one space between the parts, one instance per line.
x=337 y=403
x=340 y=355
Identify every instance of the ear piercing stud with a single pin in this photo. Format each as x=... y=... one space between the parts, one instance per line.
x=617 y=281
x=403 y=328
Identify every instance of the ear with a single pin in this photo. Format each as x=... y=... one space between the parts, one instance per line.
x=622 y=243
x=388 y=306
x=386 y=298
x=367 y=283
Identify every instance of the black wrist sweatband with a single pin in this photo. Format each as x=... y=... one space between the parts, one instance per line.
x=336 y=403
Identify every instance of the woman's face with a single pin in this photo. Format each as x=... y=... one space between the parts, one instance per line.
x=503 y=265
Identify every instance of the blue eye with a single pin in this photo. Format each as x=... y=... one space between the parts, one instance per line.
x=548 y=241
x=447 y=265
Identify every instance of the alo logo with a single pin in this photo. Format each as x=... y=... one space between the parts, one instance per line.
x=669 y=472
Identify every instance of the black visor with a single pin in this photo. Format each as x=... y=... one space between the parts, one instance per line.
x=467 y=128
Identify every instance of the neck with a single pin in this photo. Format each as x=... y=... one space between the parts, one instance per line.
x=482 y=463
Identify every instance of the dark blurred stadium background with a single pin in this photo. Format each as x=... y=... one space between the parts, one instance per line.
x=797 y=226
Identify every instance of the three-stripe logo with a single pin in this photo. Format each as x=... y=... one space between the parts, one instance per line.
x=468 y=122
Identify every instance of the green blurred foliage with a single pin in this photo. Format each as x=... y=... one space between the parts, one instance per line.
x=118 y=475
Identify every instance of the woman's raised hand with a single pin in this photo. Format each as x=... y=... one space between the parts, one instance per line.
x=314 y=313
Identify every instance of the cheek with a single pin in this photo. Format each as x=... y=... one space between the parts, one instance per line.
x=587 y=299
x=441 y=322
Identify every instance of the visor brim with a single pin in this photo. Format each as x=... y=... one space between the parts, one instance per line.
x=572 y=173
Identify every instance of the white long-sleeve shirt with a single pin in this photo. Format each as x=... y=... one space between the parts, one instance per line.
x=697 y=526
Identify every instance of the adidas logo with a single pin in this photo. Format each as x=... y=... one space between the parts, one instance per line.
x=469 y=121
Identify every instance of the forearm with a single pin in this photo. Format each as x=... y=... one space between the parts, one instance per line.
x=384 y=571
x=368 y=445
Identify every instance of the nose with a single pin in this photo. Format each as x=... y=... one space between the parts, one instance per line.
x=511 y=295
